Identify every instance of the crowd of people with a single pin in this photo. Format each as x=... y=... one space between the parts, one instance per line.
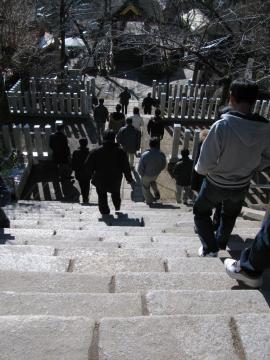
x=235 y=147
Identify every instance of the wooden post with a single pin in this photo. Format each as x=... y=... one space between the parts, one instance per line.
x=15 y=103
x=17 y=134
x=20 y=102
x=190 y=108
x=176 y=141
x=203 y=111
x=33 y=102
x=48 y=103
x=48 y=132
x=207 y=91
x=55 y=103
x=210 y=109
x=196 y=139
x=88 y=103
x=186 y=139
x=202 y=91
x=197 y=108
x=154 y=89
x=6 y=138
x=28 y=140
x=183 y=108
x=38 y=141
x=170 y=89
x=176 y=106
x=196 y=91
x=69 y=110
x=27 y=102
x=40 y=102
x=186 y=90
x=93 y=86
x=159 y=90
x=162 y=103
x=216 y=108
x=82 y=102
x=257 y=106
x=76 y=106
x=264 y=108
x=180 y=91
x=62 y=103
x=170 y=103
x=88 y=87
x=191 y=90
x=175 y=91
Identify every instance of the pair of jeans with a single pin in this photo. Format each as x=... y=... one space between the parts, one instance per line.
x=100 y=128
x=187 y=194
x=209 y=196
x=149 y=182
x=255 y=259
x=103 y=201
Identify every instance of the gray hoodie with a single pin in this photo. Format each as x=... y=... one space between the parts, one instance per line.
x=236 y=147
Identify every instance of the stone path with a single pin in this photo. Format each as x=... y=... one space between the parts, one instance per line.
x=129 y=287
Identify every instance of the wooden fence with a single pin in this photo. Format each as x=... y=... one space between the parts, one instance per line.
x=43 y=97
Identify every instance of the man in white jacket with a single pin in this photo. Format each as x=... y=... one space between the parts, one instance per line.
x=237 y=146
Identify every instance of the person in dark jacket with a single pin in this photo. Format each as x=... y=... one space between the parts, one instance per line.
x=101 y=115
x=106 y=166
x=147 y=104
x=58 y=142
x=182 y=175
x=155 y=126
x=117 y=119
x=130 y=140
x=79 y=158
x=124 y=99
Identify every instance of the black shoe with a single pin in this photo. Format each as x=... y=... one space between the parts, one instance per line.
x=157 y=196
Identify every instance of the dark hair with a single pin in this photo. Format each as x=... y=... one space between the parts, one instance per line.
x=101 y=101
x=154 y=142
x=60 y=127
x=157 y=112
x=149 y=94
x=136 y=110
x=118 y=107
x=109 y=136
x=129 y=121
x=244 y=91
x=185 y=153
x=83 y=142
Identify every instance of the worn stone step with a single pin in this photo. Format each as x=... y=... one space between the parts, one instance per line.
x=94 y=306
x=144 y=281
x=27 y=249
x=25 y=281
x=196 y=302
x=184 y=337
x=45 y=337
x=19 y=262
x=194 y=264
x=112 y=264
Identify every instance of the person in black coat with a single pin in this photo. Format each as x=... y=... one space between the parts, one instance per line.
x=124 y=99
x=182 y=174
x=106 y=166
x=155 y=126
x=79 y=158
x=58 y=142
x=147 y=104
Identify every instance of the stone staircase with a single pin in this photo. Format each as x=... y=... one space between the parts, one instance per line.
x=74 y=286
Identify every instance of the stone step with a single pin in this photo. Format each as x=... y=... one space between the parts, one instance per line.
x=111 y=264
x=48 y=282
x=45 y=337
x=94 y=306
x=26 y=262
x=199 y=302
x=193 y=264
x=133 y=282
x=27 y=249
x=185 y=337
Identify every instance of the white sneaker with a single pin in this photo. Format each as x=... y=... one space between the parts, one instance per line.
x=201 y=253
x=234 y=270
